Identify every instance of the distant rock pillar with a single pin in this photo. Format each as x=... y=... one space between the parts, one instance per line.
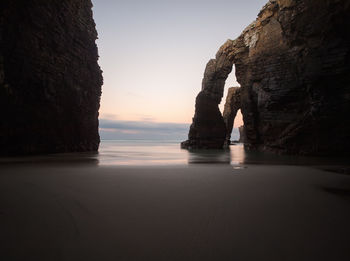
x=242 y=137
x=232 y=105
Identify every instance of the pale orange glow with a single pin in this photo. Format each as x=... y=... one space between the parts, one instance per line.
x=153 y=61
x=239 y=120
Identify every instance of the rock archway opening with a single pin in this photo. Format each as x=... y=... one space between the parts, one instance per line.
x=231 y=81
x=231 y=109
x=237 y=135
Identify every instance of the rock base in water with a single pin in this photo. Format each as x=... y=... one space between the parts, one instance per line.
x=208 y=128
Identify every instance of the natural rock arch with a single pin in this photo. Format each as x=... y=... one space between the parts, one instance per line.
x=208 y=129
x=293 y=66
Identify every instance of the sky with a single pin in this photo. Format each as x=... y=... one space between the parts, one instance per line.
x=153 y=54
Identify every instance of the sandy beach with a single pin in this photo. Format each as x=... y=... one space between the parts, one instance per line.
x=80 y=211
x=175 y=130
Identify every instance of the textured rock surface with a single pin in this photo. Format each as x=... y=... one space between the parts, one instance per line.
x=293 y=66
x=208 y=130
x=50 y=82
x=242 y=137
x=232 y=105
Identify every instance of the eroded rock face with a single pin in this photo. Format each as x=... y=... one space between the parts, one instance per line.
x=232 y=105
x=50 y=82
x=242 y=137
x=208 y=130
x=295 y=79
x=293 y=66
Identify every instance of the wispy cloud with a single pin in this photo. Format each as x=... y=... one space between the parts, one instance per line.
x=147 y=130
x=118 y=129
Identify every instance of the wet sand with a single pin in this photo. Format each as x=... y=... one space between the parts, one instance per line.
x=190 y=212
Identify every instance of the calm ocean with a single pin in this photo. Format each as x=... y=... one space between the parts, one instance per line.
x=155 y=152
x=150 y=152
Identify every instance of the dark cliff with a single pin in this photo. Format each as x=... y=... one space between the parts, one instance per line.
x=50 y=81
x=293 y=65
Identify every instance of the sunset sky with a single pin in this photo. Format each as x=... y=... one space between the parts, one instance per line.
x=153 y=54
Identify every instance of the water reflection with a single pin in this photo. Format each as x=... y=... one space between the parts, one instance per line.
x=66 y=159
x=131 y=153
x=141 y=152
x=238 y=154
x=241 y=155
x=209 y=156
x=235 y=155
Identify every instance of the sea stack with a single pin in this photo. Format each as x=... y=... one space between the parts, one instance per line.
x=241 y=134
x=208 y=130
x=50 y=81
x=293 y=66
x=232 y=105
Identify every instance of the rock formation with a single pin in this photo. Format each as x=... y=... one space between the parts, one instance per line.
x=232 y=105
x=293 y=66
x=208 y=130
x=50 y=82
x=241 y=134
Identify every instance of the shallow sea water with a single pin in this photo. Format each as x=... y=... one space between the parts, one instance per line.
x=146 y=152
x=168 y=153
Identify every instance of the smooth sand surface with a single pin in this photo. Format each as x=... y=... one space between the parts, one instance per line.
x=194 y=212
